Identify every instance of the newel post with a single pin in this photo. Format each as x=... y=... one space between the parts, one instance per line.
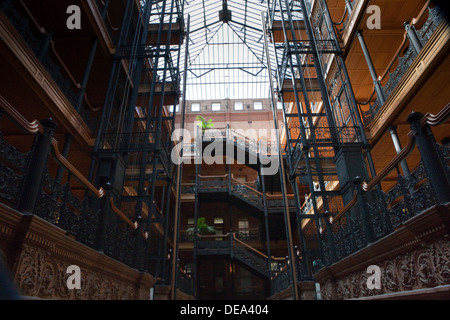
x=104 y=218
x=435 y=169
x=363 y=210
x=37 y=166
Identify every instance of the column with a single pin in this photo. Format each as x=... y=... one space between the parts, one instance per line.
x=412 y=36
x=435 y=169
x=37 y=166
x=393 y=131
x=373 y=73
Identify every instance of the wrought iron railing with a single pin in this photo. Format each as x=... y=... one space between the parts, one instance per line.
x=184 y=279
x=374 y=213
x=413 y=41
x=185 y=282
x=243 y=191
x=248 y=234
x=41 y=43
x=247 y=194
x=273 y=268
x=282 y=278
x=138 y=142
x=341 y=26
x=251 y=257
x=250 y=144
x=113 y=30
x=345 y=134
x=73 y=204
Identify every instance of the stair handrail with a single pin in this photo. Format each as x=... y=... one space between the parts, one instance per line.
x=34 y=127
x=237 y=134
x=30 y=127
x=231 y=134
x=410 y=144
x=430 y=119
x=213 y=177
x=246 y=186
x=221 y=235
x=255 y=250
x=273 y=196
x=372 y=183
x=395 y=57
x=124 y=217
x=438 y=119
x=71 y=168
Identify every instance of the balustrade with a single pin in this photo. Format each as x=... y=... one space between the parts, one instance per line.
x=86 y=213
x=242 y=141
x=281 y=278
x=341 y=26
x=238 y=189
x=416 y=36
x=113 y=30
x=42 y=44
x=377 y=213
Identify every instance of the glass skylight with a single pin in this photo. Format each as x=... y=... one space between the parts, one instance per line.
x=226 y=52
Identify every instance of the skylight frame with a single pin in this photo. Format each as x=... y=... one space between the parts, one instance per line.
x=210 y=79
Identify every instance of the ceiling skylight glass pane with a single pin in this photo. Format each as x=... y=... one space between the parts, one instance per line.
x=226 y=58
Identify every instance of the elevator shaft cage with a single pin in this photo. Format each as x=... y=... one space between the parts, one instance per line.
x=134 y=142
x=326 y=144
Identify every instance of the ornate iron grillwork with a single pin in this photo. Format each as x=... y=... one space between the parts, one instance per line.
x=12 y=168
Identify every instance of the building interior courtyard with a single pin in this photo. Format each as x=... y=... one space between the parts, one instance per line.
x=224 y=150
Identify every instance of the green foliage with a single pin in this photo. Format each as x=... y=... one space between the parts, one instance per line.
x=202 y=228
x=202 y=123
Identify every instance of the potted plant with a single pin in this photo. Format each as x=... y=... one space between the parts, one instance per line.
x=203 y=124
x=202 y=229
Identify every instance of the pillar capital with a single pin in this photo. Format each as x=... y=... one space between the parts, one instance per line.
x=414 y=117
x=392 y=128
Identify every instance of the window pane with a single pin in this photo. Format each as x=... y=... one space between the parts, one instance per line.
x=244 y=232
x=257 y=105
x=195 y=107
x=215 y=107
x=218 y=220
x=238 y=106
x=243 y=224
x=176 y=109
